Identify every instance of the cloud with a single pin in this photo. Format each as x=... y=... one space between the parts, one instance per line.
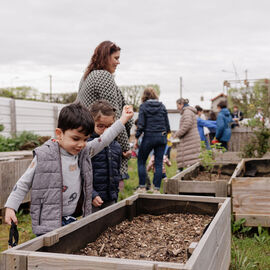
x=160 y=41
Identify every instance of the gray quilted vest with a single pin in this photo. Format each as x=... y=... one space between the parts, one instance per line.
x=46 y=193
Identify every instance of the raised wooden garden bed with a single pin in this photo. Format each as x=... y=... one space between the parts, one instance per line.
x=250 y=185
x=12 y=168
x=56 y=249
x=195 y=181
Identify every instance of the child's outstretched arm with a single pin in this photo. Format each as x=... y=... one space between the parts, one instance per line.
x=18 y=193
x=96 y=145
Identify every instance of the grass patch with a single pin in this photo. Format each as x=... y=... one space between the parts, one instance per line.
x=248 y=253
x=24 y=228
x=133 y=181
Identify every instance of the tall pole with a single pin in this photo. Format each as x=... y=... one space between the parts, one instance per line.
x=246 y=78
x=268 y=82
x=180 y=87
x=50 y=76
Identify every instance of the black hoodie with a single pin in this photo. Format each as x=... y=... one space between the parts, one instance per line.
x=153 y=118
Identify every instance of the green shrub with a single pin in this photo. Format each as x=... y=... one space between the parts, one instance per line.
x=259 y=144
x=25 y=141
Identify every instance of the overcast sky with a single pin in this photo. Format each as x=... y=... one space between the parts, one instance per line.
x=160 y=41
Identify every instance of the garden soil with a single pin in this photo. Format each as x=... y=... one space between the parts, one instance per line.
x=147 y=237
x=205 y=176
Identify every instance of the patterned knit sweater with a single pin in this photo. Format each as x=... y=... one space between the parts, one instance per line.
x=100 y=84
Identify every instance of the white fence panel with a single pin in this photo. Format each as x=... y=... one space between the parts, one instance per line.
x=41 y=117
x=5 y=116
x=37 y=117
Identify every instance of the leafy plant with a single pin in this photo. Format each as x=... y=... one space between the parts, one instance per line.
x=259 y=144
x=262 y=237
x=1 y=127
x=238 y=226
x=26 y=140
x=208 y=158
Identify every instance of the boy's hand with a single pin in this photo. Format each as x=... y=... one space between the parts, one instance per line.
x=10 y=216
x=127 y=114
x=97 y=201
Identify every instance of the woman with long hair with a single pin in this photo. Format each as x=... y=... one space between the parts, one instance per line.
x=98 y=83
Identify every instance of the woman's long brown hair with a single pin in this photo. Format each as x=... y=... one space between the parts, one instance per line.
x=100 y=58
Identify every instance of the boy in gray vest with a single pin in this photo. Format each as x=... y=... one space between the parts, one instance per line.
x=61 y=171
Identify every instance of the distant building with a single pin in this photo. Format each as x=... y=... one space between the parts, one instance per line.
x=216 y=100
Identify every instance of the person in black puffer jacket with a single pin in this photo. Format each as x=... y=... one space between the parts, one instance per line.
x=153 y=122
x=106 y=164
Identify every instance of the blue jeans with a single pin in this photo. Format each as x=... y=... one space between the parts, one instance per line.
x=155 y=141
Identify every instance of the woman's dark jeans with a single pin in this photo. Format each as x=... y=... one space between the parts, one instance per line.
x=156 y=141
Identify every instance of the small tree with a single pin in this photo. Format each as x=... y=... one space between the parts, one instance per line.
x=133 y=93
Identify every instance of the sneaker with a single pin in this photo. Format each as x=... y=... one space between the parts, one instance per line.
x=140 y=190
x=156 y=191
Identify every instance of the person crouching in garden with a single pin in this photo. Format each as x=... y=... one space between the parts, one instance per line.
x=153 y=122
x=106 y=164
x=188 y=149
x=59 y=168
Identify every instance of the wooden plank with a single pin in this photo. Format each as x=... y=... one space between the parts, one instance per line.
x=10 y=172
x=45 y=261
x=50 y=239
x=31 y=245
x=196 y=187
x=221 y=188
x=174 y=186
x=169 y=266
x=14 y=260
x=182 y=198
x=240 y=167
x=25 y=153
x=251 y=195
x=203 y=255
x=254 y=219
x=170 y=186
x=191 y=248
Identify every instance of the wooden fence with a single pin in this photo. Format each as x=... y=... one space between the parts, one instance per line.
x=240 y=137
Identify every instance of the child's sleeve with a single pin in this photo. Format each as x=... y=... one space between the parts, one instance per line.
x=96 y=145
x=22 y=187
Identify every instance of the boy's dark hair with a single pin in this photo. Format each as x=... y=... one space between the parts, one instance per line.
x=102 y=107
x=199 y=108
x=76 y=116
x=212 y=116
x=136 y=122
x=222 y=104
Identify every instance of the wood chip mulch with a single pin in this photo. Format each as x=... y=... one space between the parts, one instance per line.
x=147 y=237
